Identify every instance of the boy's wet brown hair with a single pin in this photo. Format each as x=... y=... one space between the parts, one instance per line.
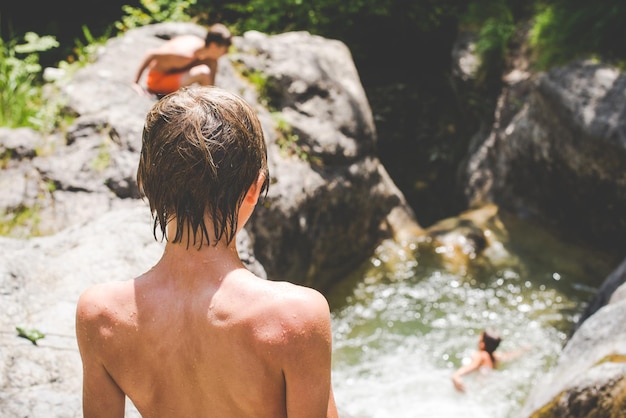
x=219 y=34
x=202 y=149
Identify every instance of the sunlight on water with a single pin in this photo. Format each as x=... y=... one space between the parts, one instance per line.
x=399 y=333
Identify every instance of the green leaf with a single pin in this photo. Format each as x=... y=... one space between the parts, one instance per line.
x=30 y=334
x=36 y=43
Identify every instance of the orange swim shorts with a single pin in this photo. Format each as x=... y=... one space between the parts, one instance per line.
x=163 y=83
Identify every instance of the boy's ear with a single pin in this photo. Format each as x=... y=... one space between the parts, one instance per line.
x=252 y=196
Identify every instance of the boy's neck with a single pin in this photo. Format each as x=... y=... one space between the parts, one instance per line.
x=213 y=250
x=205 y=263
x=217 y=257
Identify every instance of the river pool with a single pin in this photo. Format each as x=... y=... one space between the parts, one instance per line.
x=406 y=320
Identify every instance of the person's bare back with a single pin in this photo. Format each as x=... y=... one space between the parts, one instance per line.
x=221 y=349
x=176 y=54
x=199 y=335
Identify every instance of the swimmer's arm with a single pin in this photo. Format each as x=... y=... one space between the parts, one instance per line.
x=512 y=355
x=463 y=370
x=102 y=397
x=307 y=364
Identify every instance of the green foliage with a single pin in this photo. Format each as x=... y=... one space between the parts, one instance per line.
x=22 y=82
x=275 y=16
x=568 y=29
x=84 y=52
x=155 y=11
x=563 y=29
x=33 y=335
x=496 y=25
x=494 y=22
x=375 y=30
x=330 y=18
x=21 y=103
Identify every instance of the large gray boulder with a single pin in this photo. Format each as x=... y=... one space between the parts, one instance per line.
x=565 y=130
x=40 y=281
x=331 y=198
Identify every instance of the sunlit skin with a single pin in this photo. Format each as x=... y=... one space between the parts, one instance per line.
x=480 y=358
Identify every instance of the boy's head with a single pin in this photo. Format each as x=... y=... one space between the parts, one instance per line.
x=216 y=43
x=202 y=149
x=218 y=34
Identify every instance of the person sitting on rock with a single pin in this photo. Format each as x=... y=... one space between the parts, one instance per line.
x=183 y=61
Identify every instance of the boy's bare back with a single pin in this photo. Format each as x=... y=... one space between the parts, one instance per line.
x=198 y=335
x=212 y=347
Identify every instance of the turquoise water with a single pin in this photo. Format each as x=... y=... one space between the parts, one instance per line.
x=409 y=318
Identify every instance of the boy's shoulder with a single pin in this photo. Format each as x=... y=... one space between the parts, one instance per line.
x=103 y=299
x=294 y=298
x=293 y=306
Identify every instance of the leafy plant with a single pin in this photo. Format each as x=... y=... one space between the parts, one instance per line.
x=21 y=103
x=84 y=52
x=495 y=24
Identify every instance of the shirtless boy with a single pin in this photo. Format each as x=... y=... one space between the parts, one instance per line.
x=183 y=61
x=199 y=335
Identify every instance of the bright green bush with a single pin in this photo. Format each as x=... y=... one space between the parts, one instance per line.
x=21 y=103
